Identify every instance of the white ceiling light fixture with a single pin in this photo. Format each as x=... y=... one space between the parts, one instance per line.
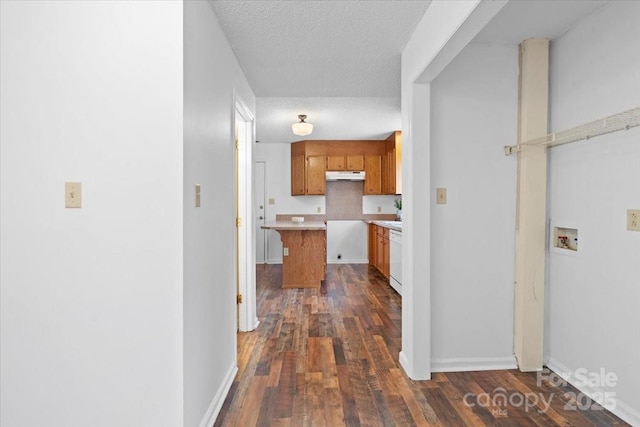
x=302 y=128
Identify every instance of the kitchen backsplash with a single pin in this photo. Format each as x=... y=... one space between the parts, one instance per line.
x=344 y=201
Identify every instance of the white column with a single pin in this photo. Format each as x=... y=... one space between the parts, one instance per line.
x=531 y=205
x=415 y=356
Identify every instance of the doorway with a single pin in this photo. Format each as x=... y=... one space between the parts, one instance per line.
x=245 y=222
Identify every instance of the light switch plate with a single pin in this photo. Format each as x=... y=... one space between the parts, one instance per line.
x=72 y=194
x=441 y=196
x=272 y=201
x=197 y=190
x=633 y=219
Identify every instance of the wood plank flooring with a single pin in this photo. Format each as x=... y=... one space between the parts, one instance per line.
x=328 y=357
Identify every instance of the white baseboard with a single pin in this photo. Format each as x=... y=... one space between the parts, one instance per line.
x=348 y=261
x=274 y=261
x=473 y=364
x=404 y=363
x=210 y=416
x=621 y=409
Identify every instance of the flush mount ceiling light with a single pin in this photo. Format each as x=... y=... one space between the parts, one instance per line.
x=302 y=128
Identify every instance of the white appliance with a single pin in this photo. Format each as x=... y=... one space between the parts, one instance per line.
x=395 y=260
x=345 y=175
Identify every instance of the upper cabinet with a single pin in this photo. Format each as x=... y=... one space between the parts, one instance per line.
x=351 y=162
x=316 y=181
x=392 y=164
x=378 y=158
x=373 y=174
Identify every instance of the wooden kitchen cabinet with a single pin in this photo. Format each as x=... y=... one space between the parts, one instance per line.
x=392 y=165
x=355 y=163
x=315 y=175
x=372 y=243
x=373 y=175
x=336 y=163
x=345 y=163
x=311 y=159
x=379 y=248
x=298 y=175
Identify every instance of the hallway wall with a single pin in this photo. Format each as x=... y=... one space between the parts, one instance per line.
x=473 y=114
x=593 y=296
x=91 y=298
x=212 y=79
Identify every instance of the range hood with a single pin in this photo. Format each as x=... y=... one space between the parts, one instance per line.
x=345 y=176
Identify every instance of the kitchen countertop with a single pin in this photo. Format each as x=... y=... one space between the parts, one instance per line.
x=290 y=225
x=391 y=225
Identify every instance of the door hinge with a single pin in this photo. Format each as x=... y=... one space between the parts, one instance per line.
x=237 y=144
x=239 y=299
x=238 y=222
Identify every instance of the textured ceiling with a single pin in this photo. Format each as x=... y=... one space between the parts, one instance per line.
x=338 y=61
x=334 y=48
x=520 y=20
x=332 y=118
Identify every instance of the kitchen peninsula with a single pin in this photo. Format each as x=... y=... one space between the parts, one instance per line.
x=304 y=252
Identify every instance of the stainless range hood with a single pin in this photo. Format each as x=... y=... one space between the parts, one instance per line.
x=345 y=176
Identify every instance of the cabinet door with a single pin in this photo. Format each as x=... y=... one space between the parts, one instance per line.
x=355 y=163
x=391 y=182
x=379 y=251
x=335 y=163
x=373 y=241
x=385 y=257
x=384 y=174
x=297 y=175
x=373 y=175
x=316 y=179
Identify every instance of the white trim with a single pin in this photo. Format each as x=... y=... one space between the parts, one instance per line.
x=347 y=261
x=473 y=364
x=408 y=369
x=621 y=409
x=216 y=404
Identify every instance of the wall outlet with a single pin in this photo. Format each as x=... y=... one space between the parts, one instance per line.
x=285 y=251
x=379 y=208
x=633 y=219
x=72 y=194
x=319 y=209
x=272 y=201
x=441 y=196
x=339 y=256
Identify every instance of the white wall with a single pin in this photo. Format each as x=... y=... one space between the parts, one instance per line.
x=349 y=239
x=91 y=298
x=593 y=314
x=473 y=114
x=212 y=75
x=278 y=187
x=440 y=35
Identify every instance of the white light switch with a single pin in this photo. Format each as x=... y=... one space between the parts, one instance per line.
x=72 y=194
x=285 y=251
x=441 y=196
x=197 y=191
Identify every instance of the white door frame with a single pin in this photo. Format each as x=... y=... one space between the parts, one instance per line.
x=245 y=272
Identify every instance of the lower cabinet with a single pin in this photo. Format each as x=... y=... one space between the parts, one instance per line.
x=379 y=248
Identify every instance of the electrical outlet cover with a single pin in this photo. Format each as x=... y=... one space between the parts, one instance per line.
x=633 y=219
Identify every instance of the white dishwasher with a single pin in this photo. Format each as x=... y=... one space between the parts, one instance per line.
x=395 y=260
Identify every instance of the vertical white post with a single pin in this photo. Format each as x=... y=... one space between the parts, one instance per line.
x=415 y=356
x=531 y=205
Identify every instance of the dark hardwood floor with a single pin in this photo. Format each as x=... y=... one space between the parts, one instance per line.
x=328 y=357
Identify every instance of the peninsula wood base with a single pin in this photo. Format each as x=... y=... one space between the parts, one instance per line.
x=305 y=266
